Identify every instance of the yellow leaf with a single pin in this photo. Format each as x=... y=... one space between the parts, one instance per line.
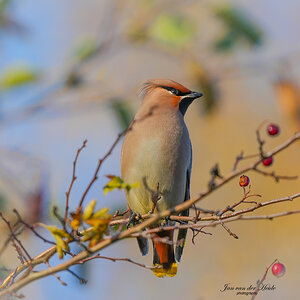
x=97 y=222
x=101 y=213
x=59 y=234
x=94 y=236
x=16 y=76
x=56 y=231
x=60 y=246
x=76 y=219
x=114 y=183
x=75 y=223
x=88 y=212
x=95 y=239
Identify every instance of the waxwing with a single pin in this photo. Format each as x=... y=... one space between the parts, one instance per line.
x=157 y=154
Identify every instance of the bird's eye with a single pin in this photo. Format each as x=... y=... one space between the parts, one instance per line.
x=174 y=91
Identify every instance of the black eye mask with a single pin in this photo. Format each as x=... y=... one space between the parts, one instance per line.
x=174 y=91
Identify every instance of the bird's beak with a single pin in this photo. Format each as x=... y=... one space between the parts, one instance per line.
x=187 y=99
x=194 y=95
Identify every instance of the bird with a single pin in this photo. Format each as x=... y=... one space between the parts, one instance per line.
x=157 y=158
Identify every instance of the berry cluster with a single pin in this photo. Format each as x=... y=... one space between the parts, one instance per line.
x=272 y=130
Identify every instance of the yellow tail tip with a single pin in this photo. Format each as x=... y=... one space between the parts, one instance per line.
x=160 y=271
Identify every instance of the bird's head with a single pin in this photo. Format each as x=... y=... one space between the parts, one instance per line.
x=168 y=93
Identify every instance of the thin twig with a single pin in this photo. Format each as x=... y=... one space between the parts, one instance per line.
x=74 y=177
x=100 y=162
x=262 y=280
x=114 y=259
x=32 y=228
x=228 y=230
x=276 y=177
x=153 y=219
x=14 y=238
x=81 y=280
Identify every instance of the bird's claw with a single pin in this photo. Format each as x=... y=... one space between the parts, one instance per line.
x=132 y=218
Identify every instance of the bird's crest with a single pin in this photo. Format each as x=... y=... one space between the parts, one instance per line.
x=148 y=86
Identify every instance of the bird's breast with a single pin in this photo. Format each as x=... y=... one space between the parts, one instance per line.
x=157 y=156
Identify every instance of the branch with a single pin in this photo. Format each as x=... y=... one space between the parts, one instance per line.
x=148 y=222
x=276 y=177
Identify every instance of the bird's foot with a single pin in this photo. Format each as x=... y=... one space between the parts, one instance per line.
x=133 y=219
x=153 y=208
x=155 y=197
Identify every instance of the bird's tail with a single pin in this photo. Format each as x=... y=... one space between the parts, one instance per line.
x=143 y=245
x=163 y=255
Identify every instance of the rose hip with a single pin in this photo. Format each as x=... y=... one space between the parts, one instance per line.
x=244 y=180
x=268 y=161
x=273 y=129
x=278 y=269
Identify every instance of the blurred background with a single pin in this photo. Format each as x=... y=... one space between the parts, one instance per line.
x=70 y=70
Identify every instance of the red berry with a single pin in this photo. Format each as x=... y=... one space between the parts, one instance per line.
x=268 y=161
x=244 y=180
x=278 y=269
x=273 y=129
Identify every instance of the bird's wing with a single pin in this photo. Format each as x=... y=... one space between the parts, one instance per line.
x=182 y=232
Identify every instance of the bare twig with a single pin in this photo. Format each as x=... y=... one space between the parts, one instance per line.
x=114 y=259
x=262 y=280
x=74 y=177
x=100 y=162
x=148 y=221
x=228 y=230
x=240 y=157
x=276 y=177
x=15 y=239
x=32 y=228
x=81 y=280
x=17 y=231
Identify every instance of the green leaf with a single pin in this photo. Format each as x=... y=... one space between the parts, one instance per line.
x=205 y=83
x=227 y=42
x=2 y=202
x=173 y=30
x=15 y=76
x=114 y=183
x=86 y=49
x=117 y=182
x=3 y=5
x=123 y=112
x=239 y=27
